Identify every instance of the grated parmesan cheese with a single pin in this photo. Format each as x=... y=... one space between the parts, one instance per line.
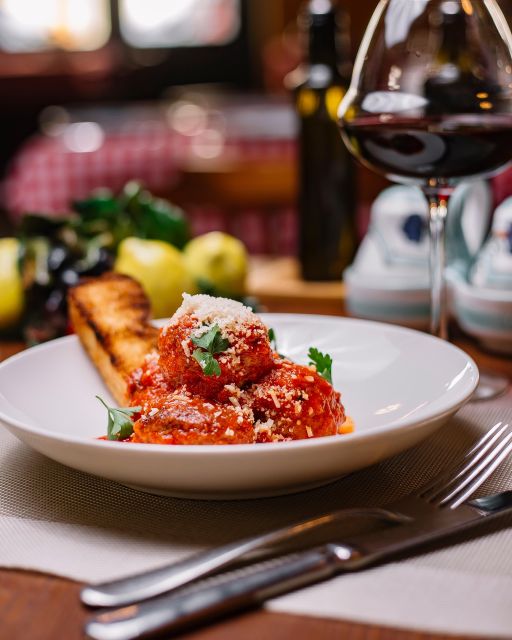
x=234 y=402
x=227 y=314
x=274 y=398
x=263 y=427
x=185 y=347
x=235 y=391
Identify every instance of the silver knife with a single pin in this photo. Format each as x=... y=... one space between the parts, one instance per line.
x=234 y=591
x=142 y=586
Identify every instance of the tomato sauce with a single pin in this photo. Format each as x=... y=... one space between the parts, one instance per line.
x=256 y=397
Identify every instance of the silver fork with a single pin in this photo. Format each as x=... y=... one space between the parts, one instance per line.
x=432 y=502
x=456 y=485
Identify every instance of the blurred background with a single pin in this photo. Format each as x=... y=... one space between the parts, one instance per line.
x=192 y=98
x=114 y=79
x=77 y=77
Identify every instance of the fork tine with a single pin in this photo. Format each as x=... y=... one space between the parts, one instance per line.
x=475 y=453
x=479 y=474
x=480 y=479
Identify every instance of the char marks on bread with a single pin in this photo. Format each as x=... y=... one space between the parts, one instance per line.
x=111 y=317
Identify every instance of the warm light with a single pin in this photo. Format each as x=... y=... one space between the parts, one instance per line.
x=333 y=97
x=26 y=13
x=450 y=7
x=187 y=118
x=482 y=95
x=467 y=7
x=172 y=23
x=151 y=13
x=53 y=120
x=307 y=102
x=486 y=105
x=81 y=20
x=321 y=6
x=83 y=137
x=395 y=73
x=33 y=25
x=209 y=144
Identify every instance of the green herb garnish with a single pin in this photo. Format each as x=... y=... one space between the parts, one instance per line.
x=120 y=425
x=322 y=362
x=209 y=344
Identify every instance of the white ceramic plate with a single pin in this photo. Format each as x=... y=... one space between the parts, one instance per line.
x=397 y=384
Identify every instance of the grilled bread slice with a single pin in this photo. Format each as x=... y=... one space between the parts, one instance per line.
x=110 y=315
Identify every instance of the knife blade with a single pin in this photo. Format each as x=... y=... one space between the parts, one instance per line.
x=236 y=591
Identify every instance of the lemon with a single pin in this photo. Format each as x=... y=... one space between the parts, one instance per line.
x=160 y=269
x=11 y=285
x=219 y=261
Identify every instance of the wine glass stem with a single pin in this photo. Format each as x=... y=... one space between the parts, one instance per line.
x=438 y=206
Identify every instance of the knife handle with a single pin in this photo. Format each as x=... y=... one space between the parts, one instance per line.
x=173 y=612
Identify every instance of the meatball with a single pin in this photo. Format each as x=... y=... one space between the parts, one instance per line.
x=240 y=354
x=148 y=384
x=293 y=402
x=182 y=418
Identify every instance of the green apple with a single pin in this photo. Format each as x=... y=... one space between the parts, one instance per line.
x=160 y=269
x=11 y=284
x=217 y=261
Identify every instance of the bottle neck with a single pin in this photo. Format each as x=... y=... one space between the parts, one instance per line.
x=454 y=45
x=322 y=41
x=327 y=35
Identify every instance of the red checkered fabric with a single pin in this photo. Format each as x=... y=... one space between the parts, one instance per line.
x=46 y=176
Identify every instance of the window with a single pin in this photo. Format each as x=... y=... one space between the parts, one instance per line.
x=40 y=25
x=154 y=43
x=178 y=23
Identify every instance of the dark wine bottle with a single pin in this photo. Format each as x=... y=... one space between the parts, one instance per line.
x=326 y=202
x=455 y=84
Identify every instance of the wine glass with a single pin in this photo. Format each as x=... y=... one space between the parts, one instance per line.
x=430 y=103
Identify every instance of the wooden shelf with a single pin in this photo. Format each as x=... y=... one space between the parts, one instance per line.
x=277 y=284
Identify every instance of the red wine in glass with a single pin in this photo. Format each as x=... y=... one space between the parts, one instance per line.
x=441 y=147
x=430 y=103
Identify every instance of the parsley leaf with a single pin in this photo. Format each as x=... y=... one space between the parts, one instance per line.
x=212 y=341
x=207 y=362
x=209 y=344
x=120 y=425
x=322 y=362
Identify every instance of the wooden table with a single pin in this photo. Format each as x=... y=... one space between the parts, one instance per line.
x=40 y=607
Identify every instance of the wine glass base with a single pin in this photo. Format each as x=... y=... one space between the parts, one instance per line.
x=490 y=386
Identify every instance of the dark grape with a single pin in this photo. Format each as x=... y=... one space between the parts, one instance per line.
x=57 y=257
